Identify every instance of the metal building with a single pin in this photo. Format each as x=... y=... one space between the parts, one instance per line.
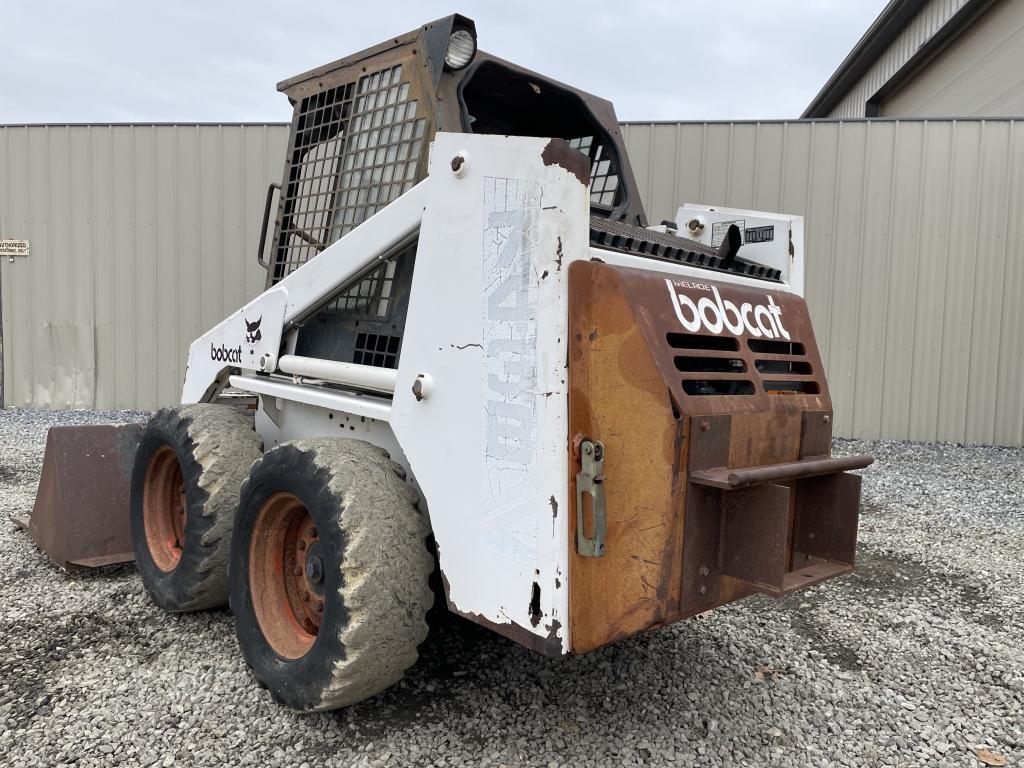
x=142 y=237
x=915 y=257
x=932 y=58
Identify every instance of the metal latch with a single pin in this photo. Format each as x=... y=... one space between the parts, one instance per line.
x=590 y=479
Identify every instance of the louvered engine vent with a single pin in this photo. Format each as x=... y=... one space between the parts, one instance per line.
x=719 y=365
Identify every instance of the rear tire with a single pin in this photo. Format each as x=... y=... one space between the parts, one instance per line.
x=189 y=467
x=329 y=573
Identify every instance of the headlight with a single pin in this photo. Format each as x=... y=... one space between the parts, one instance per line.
x=461 y=49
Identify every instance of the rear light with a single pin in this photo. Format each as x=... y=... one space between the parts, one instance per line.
x=461 y=49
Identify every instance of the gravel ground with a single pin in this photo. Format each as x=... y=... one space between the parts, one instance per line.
x=914 y=660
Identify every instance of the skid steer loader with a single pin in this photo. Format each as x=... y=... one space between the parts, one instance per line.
x=473 y=354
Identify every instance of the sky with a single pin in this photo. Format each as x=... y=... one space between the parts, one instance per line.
x=220 y=60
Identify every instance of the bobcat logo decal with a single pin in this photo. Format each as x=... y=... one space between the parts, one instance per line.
x=253 y=334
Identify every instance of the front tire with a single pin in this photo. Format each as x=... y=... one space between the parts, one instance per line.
x=188 y=470
x=329 y=573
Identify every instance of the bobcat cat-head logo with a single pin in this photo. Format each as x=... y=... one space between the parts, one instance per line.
x=253 y=333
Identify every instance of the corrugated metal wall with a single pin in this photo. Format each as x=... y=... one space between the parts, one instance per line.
x=979 y=74
x=145 y=236
x=921 y=28
x=915 y=256
x=142 y=237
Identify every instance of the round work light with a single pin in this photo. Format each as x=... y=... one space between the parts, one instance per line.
x=461 y=49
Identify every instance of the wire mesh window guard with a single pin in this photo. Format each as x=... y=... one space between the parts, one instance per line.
x=371 y=296
x=356 y=147
x=377 y=349
x=604 y=176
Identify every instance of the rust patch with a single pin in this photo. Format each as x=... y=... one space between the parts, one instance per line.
x=558 y=152
x=558 y=253
x=554 y=507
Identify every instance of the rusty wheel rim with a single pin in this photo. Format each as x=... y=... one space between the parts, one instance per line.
x=287 y=571
x=163 y=509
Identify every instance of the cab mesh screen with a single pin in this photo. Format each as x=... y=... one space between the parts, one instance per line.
x=354 y=149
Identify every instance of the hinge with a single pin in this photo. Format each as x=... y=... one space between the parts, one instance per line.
x=590 y=479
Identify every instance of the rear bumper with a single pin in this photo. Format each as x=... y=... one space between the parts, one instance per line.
x=773 y=529
x=733 y=479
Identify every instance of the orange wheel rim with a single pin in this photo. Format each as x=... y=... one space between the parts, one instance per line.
x=163 y=509
x=287 y=572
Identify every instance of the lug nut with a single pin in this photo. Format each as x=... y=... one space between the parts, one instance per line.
x=315 y=569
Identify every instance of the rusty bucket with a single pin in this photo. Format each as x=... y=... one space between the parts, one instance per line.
x=81 y=514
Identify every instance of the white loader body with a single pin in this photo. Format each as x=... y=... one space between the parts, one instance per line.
x=477 y=410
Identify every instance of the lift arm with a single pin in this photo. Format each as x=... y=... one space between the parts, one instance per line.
x=250 y=339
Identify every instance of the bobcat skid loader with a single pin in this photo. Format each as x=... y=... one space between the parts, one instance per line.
x=471 y=347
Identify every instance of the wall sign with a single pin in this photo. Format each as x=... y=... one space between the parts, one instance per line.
x=13 y=248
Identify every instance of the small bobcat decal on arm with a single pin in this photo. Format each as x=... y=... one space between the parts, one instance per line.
x=253 y=333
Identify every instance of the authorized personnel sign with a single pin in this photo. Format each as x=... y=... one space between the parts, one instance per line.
x=13 y=248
